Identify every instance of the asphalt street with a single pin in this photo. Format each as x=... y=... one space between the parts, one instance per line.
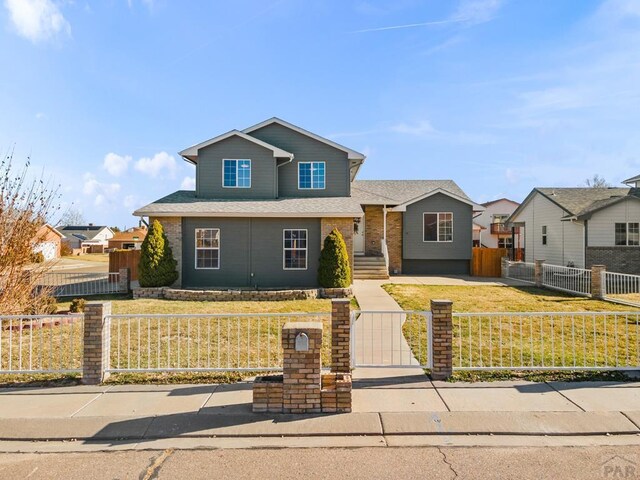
x=369 y=463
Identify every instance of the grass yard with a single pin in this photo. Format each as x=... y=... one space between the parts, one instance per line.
x=142 y=342
x=91 y=257
x=536 y=340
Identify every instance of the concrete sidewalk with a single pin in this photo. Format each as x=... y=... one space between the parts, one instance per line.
x=418 y=412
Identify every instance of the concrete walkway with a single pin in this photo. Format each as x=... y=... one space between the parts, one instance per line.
x=379 y=340
x=423 y=413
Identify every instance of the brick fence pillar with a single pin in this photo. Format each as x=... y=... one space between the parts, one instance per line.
x=537 y=272
x=597 y=285
x=340 y=335
x=504 y=267
x=442 y=339
x=97 y=342
x=124 y=280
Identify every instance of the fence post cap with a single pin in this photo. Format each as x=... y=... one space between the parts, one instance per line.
x=97 y=303
x=340 y=300
x=441 y=302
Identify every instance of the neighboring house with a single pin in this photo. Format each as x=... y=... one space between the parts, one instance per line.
x=130 y=239
x=47 y=241
x=494 y=231
x=583 y=226
x=267 y=196
x=87 y=238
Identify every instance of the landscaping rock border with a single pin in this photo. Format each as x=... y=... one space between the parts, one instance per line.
x=231 y=295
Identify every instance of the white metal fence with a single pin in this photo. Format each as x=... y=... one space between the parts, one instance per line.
x=621 y=288
x=80 y=284
x=391 y=338
x=41 y=343
x=567 y=279
x=522 y=271
x=241 y=342
x=546 y=341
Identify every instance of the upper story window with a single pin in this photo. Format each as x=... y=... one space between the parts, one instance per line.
x=207 y=248
x=236 y=173
x=500 y=218
x=544 y=234
x=438 y=227
x=627 y=234
x=311 y=175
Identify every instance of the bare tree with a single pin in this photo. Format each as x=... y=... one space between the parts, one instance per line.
x=596 y=182
x=25 y=205
x=72 y=216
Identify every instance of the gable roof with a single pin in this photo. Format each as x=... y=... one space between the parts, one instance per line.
x=191 y=154
x=351 y=154
x=577 y=201
x=503 y=199
x=184 y=203
x=51 y=228
x=83 y=232
x=632 y=180
x=133 y=234
x=405 y=192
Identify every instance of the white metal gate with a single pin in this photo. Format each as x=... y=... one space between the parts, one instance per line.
x=391 y=339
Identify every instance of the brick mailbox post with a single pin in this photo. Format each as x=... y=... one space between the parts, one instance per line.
x=442 y=340
x=97 y=342
x=303 y=388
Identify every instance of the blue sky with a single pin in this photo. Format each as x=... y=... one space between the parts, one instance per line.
x=499 y=95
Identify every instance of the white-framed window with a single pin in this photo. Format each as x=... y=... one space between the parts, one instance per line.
x=207 y=249
x=437 y=227
x=505 y=242
x=294 y=256
x=236 y=173
x=627 y=234
x=311 y=175
x=544 y=234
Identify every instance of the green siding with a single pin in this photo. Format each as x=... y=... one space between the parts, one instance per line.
x=306 y=149
x=250 y=246
x=414 y=248
x=209 y=170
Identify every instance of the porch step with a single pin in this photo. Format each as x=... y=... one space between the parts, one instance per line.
x=369 y=268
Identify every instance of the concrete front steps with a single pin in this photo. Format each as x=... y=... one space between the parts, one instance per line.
x=365 y=268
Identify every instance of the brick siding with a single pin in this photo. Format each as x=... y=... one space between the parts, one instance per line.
x=616 y=259
x=345 y=227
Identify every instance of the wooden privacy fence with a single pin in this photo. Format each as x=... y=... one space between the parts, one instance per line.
x=125 y=259
x=485 y=262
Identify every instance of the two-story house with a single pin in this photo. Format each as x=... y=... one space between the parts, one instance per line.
x=494 y=232
x=267 y=196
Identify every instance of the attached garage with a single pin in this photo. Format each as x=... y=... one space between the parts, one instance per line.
x=47 y=241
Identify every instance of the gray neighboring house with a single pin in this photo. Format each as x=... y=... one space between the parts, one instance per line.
x=267 y=196
x=583 y=226
x=90 y=238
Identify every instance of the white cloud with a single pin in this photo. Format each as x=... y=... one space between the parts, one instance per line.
x=130 y=202
x=423 y=127
x=116 y=164
x=188 y=183
x=37 y=20
x=40 y=116
x=102 y=192
x=473 y=12
x=160 y=165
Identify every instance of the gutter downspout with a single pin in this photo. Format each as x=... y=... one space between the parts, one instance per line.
x=278 y=165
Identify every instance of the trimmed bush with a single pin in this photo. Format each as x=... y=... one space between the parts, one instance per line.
x=334 y=270
x=157 y=267
x=43 y=305
x=77 y=305
x=37 y=257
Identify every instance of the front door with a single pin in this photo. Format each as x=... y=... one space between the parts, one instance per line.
x=358 y=236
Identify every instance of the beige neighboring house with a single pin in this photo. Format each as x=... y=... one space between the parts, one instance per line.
x=87 y=238
x=583 y=226
x=490 y=229
x=130 y=239
x=48 y=241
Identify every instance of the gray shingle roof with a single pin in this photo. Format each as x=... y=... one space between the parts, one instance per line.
x=378 y=192
x=184 y=203
x=580 y=200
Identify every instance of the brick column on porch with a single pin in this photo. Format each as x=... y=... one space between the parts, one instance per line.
x=597 y=285
x=340 y=335
x=97 y=342
x=537 y=272
x=442 y=339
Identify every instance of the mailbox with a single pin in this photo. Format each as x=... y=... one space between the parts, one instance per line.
x=302 y=342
